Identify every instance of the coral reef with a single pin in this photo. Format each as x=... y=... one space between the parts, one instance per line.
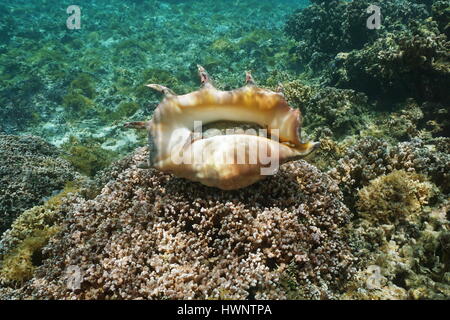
x=407 y=121
x=431 y=158
x=407 y=58
x=413 y=63
x=30 y=171
x=370 y=158
x=21 y=245
x=326 y=28
x=441 y=14
x=327 y=110
x=151 y=235
x=406 y=258
x=18 y=265
x=400 y=195
x=367 y=218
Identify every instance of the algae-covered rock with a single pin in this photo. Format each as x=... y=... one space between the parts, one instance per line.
x=30 y=171
x=397 y=196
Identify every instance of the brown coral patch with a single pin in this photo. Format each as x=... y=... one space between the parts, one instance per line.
x=150 y=235
x=397 y=196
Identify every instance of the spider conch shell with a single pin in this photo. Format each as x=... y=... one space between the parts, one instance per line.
x=226 y=161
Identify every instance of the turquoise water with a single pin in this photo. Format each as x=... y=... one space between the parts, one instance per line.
x=121 y=45
x=365 y=216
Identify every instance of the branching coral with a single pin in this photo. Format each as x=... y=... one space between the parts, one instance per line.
x=401 y=229
x=404 y=124
x=370 y=158
x=406 y=258
x=150 y=235
x=431 y=158
x=339 y=112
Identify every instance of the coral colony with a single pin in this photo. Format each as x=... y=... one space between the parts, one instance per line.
x=230 y=160
x=327 y=178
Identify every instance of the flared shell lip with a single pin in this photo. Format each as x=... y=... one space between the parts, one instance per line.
x=245 y=102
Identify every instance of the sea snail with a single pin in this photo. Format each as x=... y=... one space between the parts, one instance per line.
x=224 y=139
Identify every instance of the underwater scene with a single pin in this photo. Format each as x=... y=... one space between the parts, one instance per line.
x=225 y=149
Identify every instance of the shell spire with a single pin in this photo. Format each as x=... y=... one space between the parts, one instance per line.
x=160 y=88
x=249 y=78
x=205 y=79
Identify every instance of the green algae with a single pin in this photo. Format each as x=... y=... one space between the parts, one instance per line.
x=29 y=233
x=78 y=100
x=87 y=156
x=19 y=265
x=84 y=84
x=223 y=45
x=125 y=110
x=77 y=103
